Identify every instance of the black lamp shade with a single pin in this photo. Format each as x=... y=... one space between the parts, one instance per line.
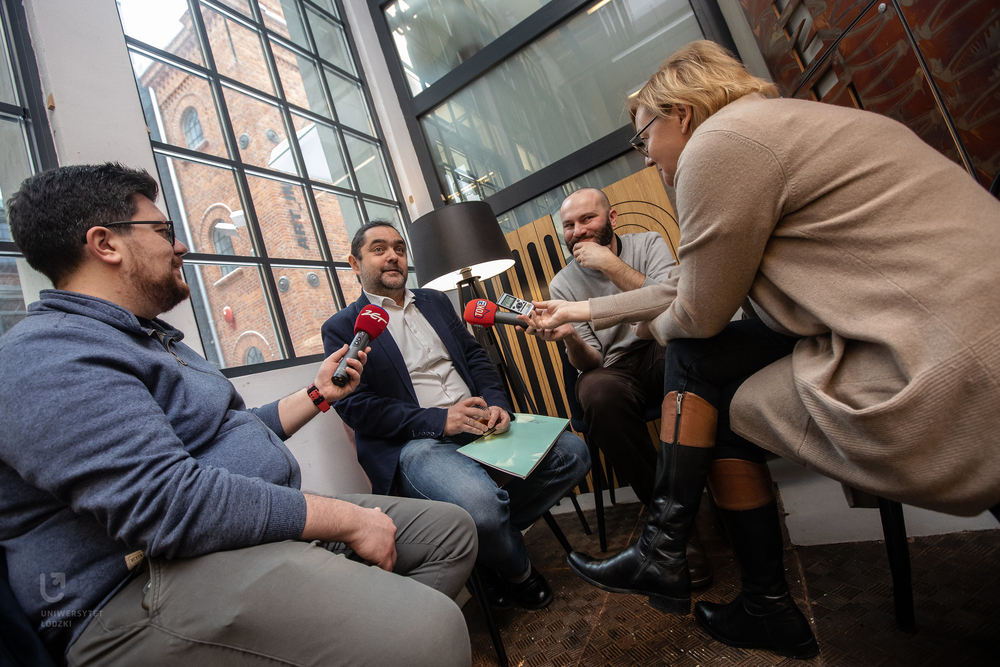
x=456 y=238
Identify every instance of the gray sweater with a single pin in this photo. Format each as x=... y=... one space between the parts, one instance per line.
x=118 y=438
x=647 y=253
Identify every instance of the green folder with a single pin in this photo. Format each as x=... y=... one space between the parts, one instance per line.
x=519 y=450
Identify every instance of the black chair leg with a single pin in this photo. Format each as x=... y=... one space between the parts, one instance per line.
x=894 y=529
x=597 y=472
x=557 y=531
x=579 y=513
x=610 y=477
x=484 y=605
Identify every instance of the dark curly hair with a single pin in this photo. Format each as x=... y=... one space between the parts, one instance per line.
x=51 y=213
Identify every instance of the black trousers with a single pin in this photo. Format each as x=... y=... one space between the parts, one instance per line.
x=613 y=401
x=714 y=368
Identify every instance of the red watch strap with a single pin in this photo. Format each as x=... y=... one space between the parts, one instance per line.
x=317 y=398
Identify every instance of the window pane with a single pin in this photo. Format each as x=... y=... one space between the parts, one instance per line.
x=242 y=6
x=349 y=285
x=170 y=98
x=284 y=18
x=165 y=24
x=300 y=80
x=341 y=220
x=350 y=103
x=328 y=5
x=331 y=42
x=197 y=196
x=367 y=160
x=553 y=97
x=12 y=308
x=307 y=301
x=322 y=153
x=15 y=166
x=232 y=312
x=284 y=219
x=377 y=211
x=237 y=51
x=549 y=202
x=6 y=71
x=260 y=132
x=434 y=37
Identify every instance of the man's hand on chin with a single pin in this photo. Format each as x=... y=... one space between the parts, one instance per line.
x=590 y=255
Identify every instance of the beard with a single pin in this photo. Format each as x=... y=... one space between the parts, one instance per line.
x=602 y=236
x=163 y=291
x=378 y=282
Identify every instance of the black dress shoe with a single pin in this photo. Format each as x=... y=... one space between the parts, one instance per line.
x=666 y=583
x=533 y=592
x=769 y=622
x=495 y=589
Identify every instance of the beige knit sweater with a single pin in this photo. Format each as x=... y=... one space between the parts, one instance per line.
x=843 y=227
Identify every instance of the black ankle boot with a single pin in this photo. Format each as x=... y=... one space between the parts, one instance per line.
x=656 y=566
x=763 y=615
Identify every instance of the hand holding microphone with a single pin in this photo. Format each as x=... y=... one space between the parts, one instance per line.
x=370 y=324
x=485 y=313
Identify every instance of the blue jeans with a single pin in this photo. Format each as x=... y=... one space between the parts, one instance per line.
x=433 y=469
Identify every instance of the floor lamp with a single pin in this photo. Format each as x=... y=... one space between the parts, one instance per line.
x=459 y=246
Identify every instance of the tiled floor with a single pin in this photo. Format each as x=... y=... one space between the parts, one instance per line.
x=844 y=589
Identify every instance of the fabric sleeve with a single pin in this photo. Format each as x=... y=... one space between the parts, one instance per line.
x=584 y=329
x=731 y=192
x=659 y=261
x=102 y=445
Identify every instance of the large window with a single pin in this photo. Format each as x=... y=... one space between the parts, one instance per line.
x=270 y=159
x=25 y=147
x=508 y=101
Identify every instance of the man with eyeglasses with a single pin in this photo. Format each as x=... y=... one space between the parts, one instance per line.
x=147 y=516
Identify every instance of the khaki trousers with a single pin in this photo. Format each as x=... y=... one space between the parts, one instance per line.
x=296 y=603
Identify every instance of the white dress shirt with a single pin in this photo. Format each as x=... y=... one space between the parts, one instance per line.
x=435 y=379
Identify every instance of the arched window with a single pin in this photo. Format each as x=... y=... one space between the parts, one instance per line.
x=223 y=245
x=191 y=125
x=254 y=356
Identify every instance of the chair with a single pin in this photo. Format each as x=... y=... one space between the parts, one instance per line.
x=19 y=645
x=599 y=474
x=894 y=532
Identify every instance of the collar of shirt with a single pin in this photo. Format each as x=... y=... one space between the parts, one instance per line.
x=436 y=381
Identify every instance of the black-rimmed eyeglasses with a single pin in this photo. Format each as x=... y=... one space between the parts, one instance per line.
x=638 y=143
x=168 y=233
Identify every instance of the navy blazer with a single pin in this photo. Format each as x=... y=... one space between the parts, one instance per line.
x=383 y=410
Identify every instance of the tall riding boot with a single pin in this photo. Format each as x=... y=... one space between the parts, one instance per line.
x=655 y=565
x=763 y=615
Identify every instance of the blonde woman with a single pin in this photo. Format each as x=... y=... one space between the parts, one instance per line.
x=871 y=261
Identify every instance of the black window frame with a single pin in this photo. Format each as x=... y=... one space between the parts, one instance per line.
x=548 y=17
x=28 y=86
x=217 y=83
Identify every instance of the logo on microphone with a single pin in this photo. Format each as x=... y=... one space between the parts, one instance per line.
x=481 y=309
x=374 y=315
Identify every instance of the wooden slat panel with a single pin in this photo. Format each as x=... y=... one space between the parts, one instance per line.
x=642 y=205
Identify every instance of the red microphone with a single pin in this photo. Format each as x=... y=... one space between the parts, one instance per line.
x=485 y=313
x=370 y=324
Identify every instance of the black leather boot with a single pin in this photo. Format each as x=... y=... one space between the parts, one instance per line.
x=763 y=615
x=656 y=566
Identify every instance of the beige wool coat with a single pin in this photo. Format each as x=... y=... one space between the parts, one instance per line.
x=844 y=228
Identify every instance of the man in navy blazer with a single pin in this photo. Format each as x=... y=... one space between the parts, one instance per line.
x=428 y=389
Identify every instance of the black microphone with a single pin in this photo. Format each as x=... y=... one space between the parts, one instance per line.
x=485 y=313
x=371 y=322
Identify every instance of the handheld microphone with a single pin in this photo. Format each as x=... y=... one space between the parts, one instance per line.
x=485 y=313
x=371 y=322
